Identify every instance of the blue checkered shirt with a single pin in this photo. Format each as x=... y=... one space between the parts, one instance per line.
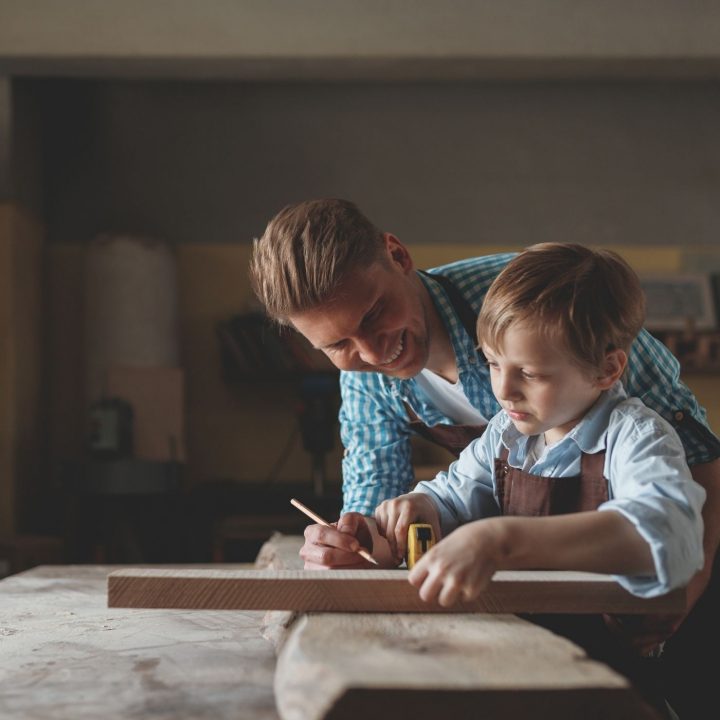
x=374 y=425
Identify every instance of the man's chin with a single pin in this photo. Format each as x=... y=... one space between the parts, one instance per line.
x=404 y=373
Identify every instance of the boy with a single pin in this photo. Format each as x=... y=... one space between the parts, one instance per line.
x=571 y=474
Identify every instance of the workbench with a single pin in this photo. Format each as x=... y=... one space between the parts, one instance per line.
x=65 y=655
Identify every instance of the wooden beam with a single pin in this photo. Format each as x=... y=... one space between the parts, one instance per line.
x=371 y=591
x=354 y=667
x=430 y=666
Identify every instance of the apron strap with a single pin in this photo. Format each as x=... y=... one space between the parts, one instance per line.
x=468 y=316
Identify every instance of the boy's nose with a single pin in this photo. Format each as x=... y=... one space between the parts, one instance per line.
x=507 y=389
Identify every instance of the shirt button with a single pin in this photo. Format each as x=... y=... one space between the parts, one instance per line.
x=679 y=416
x=472 y=359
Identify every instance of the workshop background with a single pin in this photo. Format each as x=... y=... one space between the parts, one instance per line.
x=146 y=415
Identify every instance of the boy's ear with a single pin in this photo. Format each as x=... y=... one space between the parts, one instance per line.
x=613 y=368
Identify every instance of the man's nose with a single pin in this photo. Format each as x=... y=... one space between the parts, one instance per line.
x=370 y=349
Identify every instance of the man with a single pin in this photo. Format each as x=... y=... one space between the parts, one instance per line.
x=405 y=343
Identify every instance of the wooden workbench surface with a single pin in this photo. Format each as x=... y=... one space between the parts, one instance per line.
x=64 y=654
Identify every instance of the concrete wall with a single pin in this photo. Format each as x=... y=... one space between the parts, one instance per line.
x=483 y=163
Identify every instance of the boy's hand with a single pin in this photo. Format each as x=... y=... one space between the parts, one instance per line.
x=461 y=566
x=394 y=517
x=335 y=547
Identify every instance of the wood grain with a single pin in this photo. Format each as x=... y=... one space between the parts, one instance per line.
x=366 y=591
x=65 y=656
x=355 y=667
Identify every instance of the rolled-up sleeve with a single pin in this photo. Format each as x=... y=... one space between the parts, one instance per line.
x=652 y=487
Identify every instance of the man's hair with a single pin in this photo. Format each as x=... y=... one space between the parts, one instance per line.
x=306 y=252
x=589 y=301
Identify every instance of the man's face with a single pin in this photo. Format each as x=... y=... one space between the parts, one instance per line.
x=537 y=384
x=377 y=321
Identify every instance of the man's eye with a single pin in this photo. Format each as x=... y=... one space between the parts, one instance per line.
x=371 y=317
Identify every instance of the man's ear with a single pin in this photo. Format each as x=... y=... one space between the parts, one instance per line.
x=397 y=253
x=612 y=369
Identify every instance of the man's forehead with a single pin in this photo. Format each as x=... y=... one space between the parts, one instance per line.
x=341 y=315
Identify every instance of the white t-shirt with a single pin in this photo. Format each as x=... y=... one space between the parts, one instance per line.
x=449 y=398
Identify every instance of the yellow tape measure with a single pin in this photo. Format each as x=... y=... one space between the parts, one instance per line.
x=420 y=539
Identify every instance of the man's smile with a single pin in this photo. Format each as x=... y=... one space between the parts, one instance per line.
x=395 y=353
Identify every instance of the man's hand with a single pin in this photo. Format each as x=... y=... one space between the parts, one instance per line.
x=394 y=517
x=461 y=566
x=336 y=547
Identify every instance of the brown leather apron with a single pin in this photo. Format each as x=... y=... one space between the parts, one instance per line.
x=522 y=493
x=454 y=438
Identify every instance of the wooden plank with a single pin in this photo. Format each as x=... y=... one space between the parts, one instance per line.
x=430 y=666
x=350 y=667
x=372 y=591
x=64 y=656
x=281 y=552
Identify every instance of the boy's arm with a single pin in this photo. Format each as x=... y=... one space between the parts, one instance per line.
x=461 y=566
x=466 y=491
x=653 y=375
x=602 y=542
x=651 y=630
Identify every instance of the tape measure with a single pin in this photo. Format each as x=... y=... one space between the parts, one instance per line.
x=420 y=539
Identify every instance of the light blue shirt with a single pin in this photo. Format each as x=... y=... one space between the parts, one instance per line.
x=649 y=481
x=374 y=423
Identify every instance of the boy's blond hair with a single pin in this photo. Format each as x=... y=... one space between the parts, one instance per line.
x=589 y=301
x=306 y=252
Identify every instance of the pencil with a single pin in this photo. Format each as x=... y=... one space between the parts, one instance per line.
x=303 y=509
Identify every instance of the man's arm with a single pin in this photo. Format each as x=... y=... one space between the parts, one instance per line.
x=376 y=467
x=374 y=429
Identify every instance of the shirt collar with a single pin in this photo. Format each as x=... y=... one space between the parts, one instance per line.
x=590 y=434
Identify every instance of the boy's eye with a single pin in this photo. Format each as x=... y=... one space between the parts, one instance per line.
x=529 y=375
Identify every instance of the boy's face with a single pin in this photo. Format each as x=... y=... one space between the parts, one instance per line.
x=377 y=322
x=538 y=385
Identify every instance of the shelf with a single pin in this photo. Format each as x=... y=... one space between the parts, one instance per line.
x=697 y=352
